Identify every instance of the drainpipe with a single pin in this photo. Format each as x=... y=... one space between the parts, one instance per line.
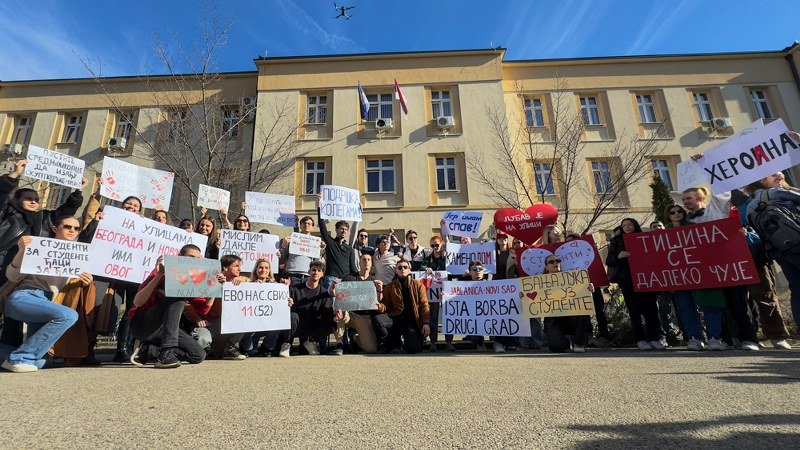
x=793 y=68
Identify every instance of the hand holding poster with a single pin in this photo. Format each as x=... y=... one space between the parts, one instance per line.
x=702 y=256
x=250 y=247
x=271 y=209
x=433 y=283
x=152 y=186
x=340 y=203
x=691 y=174
x=305 y=245
x=251 y=307
x=578 y=254
x=527 y=225
x=54 y=167
x=463 y=223
x=557 y=294
x=483 y=308
x=355 y=296
x=213 y=198
x=191 y=277
x=460 y=255
x=55 y=257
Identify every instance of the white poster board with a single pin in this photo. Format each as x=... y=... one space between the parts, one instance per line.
x=460 y=255
x=213 y=198
x=463 y=223
x=305 y=245
x=152 y=186
x=434 y=282
x=55 y=257
x=273 y=209
x=340 y=203
x=483 y=308
x=250 y=247
x=251 y=307
x=54 y=167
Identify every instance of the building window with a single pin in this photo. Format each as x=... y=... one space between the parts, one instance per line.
x=602 y=177
x=177 y=125
x=72 y=131
x=702 y=104
x=544 y=179
x=440 y=104
x=317 y=109
x=22 y=130
x=589 y=111
x=57 y=196
x=380 y=175
x=762 y=104
x=380 y=106
x=661 y=170
x=445 y=174
x=647 y=110
x=230 y=121
x=124 y=125
x=315 y=176
x=534 y=115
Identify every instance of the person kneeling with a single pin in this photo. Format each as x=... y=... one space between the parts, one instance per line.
x=405 y=312
x=559 y=330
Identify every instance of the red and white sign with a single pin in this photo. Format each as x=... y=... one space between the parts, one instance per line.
x=580 y=254
x=527 y=225
x=305 y=245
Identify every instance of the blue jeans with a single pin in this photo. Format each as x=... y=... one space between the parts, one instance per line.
x=713 y=318
x=687 y=312
x=47 y=322
x=791 y=269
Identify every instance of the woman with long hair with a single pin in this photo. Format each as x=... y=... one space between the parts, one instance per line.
x=559 y=329
x=277 y=342
x=433 y=262
x=207 y=227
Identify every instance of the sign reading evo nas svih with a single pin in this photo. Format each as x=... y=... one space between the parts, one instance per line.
x=340 y=203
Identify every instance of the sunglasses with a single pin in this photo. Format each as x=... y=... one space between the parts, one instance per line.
x=34 y=200
x=476 y=269
x=242 y=220
x=553 y=261
x=403 y=267
x=412 y=237
x=677 y=211
x=71 y=227
x=363 y=236
x=435 y=245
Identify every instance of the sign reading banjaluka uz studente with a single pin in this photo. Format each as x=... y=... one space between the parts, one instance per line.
x=557 y=294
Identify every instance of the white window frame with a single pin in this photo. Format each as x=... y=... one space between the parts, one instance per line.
x=380 y=169
x=534 y=113
x=377 y=102
x=22 y=129
x=317 y=172
x=647 y=108
x=661 y=170
x=702 y=105
x=590 y=110
x=177 y=124
x=72 y=128
x=761 y=103
x=124 y=126
x=231 y=115
x=543 y=177
x=447 y=163
x=599 y=168
x=438 y=101
x=317 y=109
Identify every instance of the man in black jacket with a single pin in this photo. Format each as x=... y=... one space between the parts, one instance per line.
x=339 y=259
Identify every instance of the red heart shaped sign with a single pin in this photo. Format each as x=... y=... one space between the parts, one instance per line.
x=527 y=225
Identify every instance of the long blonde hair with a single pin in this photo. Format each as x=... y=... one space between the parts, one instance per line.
x=254 y=275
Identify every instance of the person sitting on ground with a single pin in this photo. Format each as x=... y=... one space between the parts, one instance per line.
x=225 y=346
x=276 y=342
x=314 y=308
x=404 y=312
x=361 y=322
x=567 y=332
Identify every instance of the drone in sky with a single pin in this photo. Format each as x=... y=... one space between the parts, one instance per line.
x=342 y=10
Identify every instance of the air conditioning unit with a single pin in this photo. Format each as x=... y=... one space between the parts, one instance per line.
x=249 y=101
x=719 y=122
x=383 y=124
x=117 y=144
x=12 y=149
x=445 y=122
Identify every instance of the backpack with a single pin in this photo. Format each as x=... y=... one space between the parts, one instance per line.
x=777 y=225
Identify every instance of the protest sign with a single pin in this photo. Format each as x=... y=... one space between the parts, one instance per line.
x=273 y=209
x=250 y=247
x=251 y=307
x=340 y=203
x=126 y=246
x=579 y=254
x=460 y=255
x=557 y=294
x=433 y=283
x=527 y=225
x=55 y=257
x=305 y=245
x=702 y=256
x=744 y=158
x=691 y=175
x=54 y=167
x=463 y=223
x=152 y=186
x=355 y=296
x=213 y=198
x=191 y=277
x=483 y=308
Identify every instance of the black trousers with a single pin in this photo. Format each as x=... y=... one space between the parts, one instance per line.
x=434 y=324
x=600 y=314
x=313 y=328
x=160 y=326
x=557 y=330
x=642 y=305
x=126 y=291
x=393 y=329
x=736 y=297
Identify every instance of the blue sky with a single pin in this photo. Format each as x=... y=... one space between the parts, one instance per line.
x=42 y=38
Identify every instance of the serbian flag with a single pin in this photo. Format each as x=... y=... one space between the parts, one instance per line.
x=363 y=102
x=398 y=94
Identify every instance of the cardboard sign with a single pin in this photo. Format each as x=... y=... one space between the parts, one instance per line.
x=55 y=257
x=305 y=245
x=527 y=225
x=557 y=294
x=273 y=209
x=340 y=203
x=580 y=254
x=463 y=223
x=213 y=198
x=690 y=175
x=191 y=277
x=741 y=160
x=54 y=167
x=483 y=308
x=126 y=246
x=152 y=186
x=250 y=247
x=460 y=255
x=702 y=256
x=251 y=307
x=433 y=282
x=355 y=296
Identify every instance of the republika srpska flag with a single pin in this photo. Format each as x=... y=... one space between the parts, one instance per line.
x=363 y=102
x=398 y=94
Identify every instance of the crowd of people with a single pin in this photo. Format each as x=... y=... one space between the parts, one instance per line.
x=65 y=316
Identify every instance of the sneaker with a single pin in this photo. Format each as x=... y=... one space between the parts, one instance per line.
x=659 y=345
x=139 y=356
x=716 y=345
x=781 y=344
x=18 y=368
x=121 y=356
x=644 y=345
x=167 y=360
x=90 y=361
x=449 y=348
x=499 y=348
x=750 y=346
x=695 y=345
x=578 y=349
x=232 y=354
x=286 y=350
x=311 y=347
x=761 y=344
x=338 y=350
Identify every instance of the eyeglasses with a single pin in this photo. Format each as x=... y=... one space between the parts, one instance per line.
x=476 y=269
x=71 y=227
x=553 y=261
x=363 y=236
x=412 y=237
x=677 y=211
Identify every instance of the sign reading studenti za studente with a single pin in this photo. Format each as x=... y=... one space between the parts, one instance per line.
x=250 y=247
x=251 y=307
x=186 y=276
x=213 y=198
x=433 y=282
x=702 y=256
x=743 y=159
x=484 y=308
x=460 y=255
x=55 y=257
x=54 y=167
x=152 y=186
x=463 y=223
x=355 y=296
x=557 y=294
x=340 y=203
x=126 y=246
x=274 y=209
x=577 y=254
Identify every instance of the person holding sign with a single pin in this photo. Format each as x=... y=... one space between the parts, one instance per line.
x=339 y=260
x=404 y=312
x=314 y=308
x=296 y=266
x=225 y=346
x=277 y=342
x=436 y=261
x=565 y=332
x=361 y=322
x=384 y=261
x=412 y=252
x=207 y=227
x=31 y=303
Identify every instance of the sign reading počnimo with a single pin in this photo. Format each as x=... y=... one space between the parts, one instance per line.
x=484 y=308
x=250 y=247
x=54 y=167
x=463 y=223
x=702 y=256
x=213 y=198
x=305 y=245
x=340 y=203
x=557 y=294
x=273 y=209
x=126 y=246
x=55 y=257
x=251 y=307
x=743 y=159
x=460 y=255
x=152 y=186
x=191 y=277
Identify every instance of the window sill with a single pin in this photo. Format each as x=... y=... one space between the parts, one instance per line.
x=595 y=125
x=650 y=123
x=456 y=191
x=381 y=193
x=314 y=125
x=314 y=139
x=537 y=127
